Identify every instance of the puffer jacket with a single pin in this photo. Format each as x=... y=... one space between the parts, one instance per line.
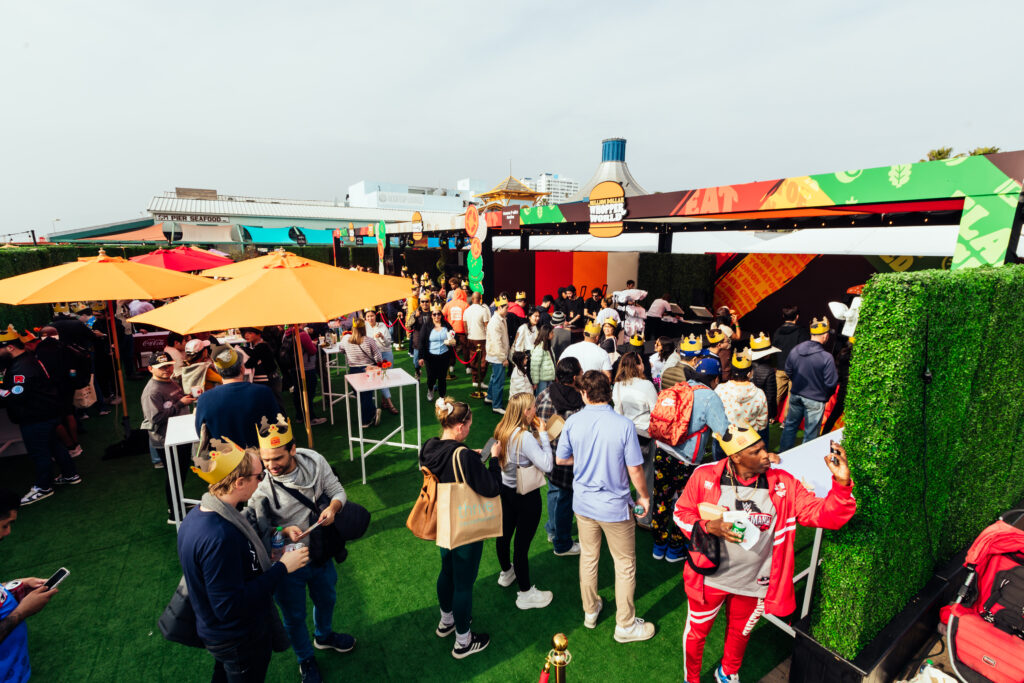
x=763 y=377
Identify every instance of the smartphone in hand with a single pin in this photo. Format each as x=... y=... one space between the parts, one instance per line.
x=57 y=577
x=834 y=451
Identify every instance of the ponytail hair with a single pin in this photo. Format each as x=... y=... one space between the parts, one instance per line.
x=451 y=413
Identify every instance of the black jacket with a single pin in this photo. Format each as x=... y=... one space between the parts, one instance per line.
x=763 y=377
x=28 y=392
x=786 y=338
x=59 y=363
x=813 y=371
x=423 y=344
x=436 y=456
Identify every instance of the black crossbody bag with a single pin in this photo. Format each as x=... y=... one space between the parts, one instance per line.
x=326 y=543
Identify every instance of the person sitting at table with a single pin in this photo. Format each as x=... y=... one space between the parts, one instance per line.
x=382 y=335
x=362 y=351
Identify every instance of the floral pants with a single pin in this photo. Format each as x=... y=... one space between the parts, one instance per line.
x=670 y=475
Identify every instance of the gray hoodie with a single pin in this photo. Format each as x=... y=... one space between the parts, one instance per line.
x=312 y=477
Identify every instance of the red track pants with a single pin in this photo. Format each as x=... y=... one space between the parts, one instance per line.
x=742 y=612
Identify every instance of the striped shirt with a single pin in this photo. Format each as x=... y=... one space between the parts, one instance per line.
x=361 y=355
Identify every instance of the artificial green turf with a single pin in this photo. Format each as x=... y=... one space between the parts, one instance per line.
x=111 y=532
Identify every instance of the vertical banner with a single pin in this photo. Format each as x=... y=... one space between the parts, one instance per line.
x=381 y=242
x=477 y=233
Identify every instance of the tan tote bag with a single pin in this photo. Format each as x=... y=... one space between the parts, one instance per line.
x=528 y=478
x=463 y=515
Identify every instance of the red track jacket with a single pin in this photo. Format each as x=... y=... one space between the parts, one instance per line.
x=793 y=504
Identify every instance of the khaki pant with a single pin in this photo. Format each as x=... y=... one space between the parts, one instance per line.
x=622 y=546
x=781 y=386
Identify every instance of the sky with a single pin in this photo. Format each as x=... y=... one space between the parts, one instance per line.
x=105 y=105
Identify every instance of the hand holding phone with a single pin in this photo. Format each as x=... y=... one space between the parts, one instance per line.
x=57 y=577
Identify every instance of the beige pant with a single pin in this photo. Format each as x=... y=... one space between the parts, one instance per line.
x=781 y=386
x=622 y=546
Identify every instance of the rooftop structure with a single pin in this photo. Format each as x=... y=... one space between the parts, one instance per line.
x=558 y=188
x=613 y=167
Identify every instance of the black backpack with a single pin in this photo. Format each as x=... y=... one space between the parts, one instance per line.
x=1004 y=608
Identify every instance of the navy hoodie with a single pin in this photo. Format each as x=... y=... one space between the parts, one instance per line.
x=812 y=370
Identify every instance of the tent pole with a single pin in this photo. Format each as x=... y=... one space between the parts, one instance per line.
x=112 y=325
x=302 y=386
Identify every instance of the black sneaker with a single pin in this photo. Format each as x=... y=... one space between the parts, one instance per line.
x=309 y=670
x=73 y=479
x=36 y=494
x=477 y=642
x=339 y=642
x=445 y=631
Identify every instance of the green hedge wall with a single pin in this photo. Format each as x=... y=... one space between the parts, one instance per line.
x=27 y=259
x=932 y=464
x=689 y=278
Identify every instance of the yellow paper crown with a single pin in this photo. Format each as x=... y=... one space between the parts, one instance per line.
x=61 y=309
x=636 y=340
x=760 y=342
x=819 y=326
x=714 y=336
x=465 y=284
x=98 y=306
x=220 y=461
x=736 y=438
x=690 y=344
x=27 y=337
x=274 y=435
x=591 y=329
x=369 y=310
x=10 y=334
x=741 y=361
x=425 y=277
x=520 y=295
x=405 y=269
x=436 y=308
x=501 y=301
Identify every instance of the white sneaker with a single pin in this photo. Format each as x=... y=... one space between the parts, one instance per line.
x=506 y=579
x=499 y=411
x=430 y=395
x=590 y=618
x=640 y=630
x=487 y=400
x=551 y=539
x=534 y=599
x=574 y=550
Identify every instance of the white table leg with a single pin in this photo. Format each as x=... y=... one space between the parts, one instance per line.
x=401 y=410
x=362 y=446
x=419 y=433
x=348 y=422
x=174 y=480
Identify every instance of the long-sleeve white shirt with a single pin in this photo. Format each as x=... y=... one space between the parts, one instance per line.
x=526 y=453
x=635 y=399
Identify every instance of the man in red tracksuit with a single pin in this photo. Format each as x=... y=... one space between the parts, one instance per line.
x=759 y=580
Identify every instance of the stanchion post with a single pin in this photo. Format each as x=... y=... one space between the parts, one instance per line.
x=559 y=657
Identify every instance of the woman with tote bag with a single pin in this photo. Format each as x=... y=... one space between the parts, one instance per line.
x=524 y=454
x=447 y=457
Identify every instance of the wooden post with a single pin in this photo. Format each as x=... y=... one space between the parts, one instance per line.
x=302 y=386
x=111 y=326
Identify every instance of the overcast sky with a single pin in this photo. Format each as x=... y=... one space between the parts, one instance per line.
x=106 y=104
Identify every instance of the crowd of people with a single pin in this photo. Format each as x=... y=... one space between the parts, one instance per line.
x=577 y=384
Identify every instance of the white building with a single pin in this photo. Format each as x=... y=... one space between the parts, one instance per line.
x=377 y=195
x=559 y=187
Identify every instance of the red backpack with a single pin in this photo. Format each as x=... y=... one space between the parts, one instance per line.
x=670 y=417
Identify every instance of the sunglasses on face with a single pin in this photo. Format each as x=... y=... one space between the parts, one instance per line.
x=436 y=314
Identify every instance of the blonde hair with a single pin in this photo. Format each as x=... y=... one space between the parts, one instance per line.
x=243 y=469
x=358 y=331
x=513 y=419
x=451 y=413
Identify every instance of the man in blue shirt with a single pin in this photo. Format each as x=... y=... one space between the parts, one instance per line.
x=19 y=600
x=603 y=449
x=234 y=408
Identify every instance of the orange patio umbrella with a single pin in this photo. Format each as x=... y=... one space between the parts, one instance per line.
x=285 y=290
x=99 y=278
x=256 y=264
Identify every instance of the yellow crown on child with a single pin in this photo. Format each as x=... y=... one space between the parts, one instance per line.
x=760 y=342
x=219 y=461
x=636 y=340
x=819 y=326
x=714 y=336
x=276 y=434
x=741 y=360
x=736 y=438
x=690 y=344
x=591 y=329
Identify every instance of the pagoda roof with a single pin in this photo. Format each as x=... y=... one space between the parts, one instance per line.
x=511 y=188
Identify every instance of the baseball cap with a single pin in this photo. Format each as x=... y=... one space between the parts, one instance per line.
x=160 y=359
x=196 y=345
x=709 y=365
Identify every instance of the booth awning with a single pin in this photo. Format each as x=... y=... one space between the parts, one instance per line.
x=206 y=233
x=154 y=233
x=265 y=235
x=317 y=236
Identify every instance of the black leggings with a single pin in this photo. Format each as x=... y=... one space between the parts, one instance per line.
x=437 y=371
x=520 y=516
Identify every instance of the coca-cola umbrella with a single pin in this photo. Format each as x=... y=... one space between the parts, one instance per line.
x=182 y=259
